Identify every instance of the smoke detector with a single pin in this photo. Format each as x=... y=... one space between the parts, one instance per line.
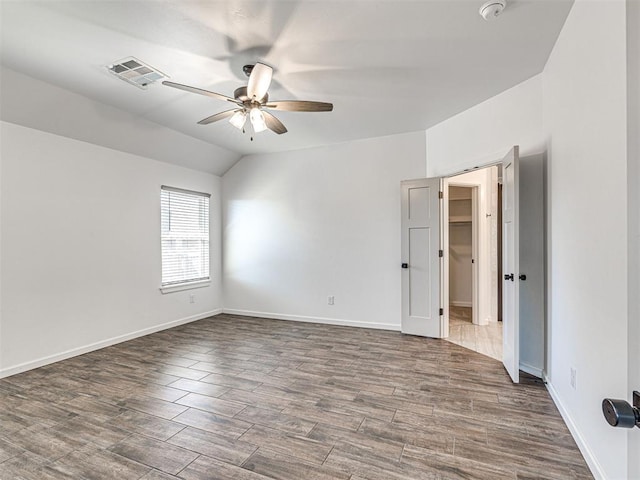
x=492 y=9
x=136 y=72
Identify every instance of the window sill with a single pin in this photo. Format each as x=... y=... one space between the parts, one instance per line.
x=185 y=286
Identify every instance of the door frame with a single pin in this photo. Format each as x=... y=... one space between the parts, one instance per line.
x=444 y=260
x=485 y=295
x=512 y=361
x=475 y=253
x=448 y=179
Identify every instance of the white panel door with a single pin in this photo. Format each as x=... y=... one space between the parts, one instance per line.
x=421 y=267
x=510 y=267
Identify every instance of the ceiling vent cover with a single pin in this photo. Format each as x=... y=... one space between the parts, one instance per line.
x=135 y=72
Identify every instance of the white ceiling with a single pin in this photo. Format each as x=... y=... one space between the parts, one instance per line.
x=388 y=66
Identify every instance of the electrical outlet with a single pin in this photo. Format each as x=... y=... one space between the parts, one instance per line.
x=331 y=299
x=192 y=298
x=573 y=378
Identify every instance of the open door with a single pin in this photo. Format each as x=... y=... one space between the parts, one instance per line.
x=510 y=266
x=425 y=269
x=422 y=264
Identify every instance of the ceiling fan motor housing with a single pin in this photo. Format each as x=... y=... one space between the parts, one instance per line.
x=240 y=94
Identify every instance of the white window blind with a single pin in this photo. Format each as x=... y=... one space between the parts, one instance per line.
x=185 y=236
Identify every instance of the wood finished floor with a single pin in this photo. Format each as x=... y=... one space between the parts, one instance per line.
x=239 y=398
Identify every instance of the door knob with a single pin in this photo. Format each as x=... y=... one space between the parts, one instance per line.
x=405 y=265
x=509 y=276
x=619 y=413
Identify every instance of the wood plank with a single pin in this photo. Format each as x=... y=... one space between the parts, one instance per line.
x=251 y=399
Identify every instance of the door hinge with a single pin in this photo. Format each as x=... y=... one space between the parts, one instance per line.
x=441 y=311
x=440 y=253
x=440 y=194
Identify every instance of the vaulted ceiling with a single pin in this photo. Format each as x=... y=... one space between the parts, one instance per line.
x=387 y=66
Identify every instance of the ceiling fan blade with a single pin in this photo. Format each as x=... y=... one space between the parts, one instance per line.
x=274 y=124
x=217 y=116
x=259 y=81
x=299 y=106
x=199 y=91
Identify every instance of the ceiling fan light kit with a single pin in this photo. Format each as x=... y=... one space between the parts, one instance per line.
x=253 y=101
x=238 y=119
x=492 y=9
x=257 y=120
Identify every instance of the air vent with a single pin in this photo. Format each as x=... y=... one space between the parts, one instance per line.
x=135 y=72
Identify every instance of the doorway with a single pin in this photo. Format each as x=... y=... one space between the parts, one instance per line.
x=425 y=257
x=474 y=245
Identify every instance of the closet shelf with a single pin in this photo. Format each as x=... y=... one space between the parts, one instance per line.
x=460 y=219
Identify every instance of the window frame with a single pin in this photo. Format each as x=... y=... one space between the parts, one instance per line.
x=186 y=284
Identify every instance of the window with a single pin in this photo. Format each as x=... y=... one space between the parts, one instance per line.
x=185 y=236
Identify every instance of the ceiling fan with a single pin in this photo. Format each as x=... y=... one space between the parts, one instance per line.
x=253 y=102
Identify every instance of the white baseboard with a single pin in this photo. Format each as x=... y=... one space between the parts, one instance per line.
x=23 y=367
x=535 y=371
x=322 y=320
x=592 y=463
x=457 y=303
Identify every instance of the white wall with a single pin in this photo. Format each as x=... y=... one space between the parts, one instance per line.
x=584 y=92
x=80 y=247
x=633 y=203
x=303 y=225
x=486 y=132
